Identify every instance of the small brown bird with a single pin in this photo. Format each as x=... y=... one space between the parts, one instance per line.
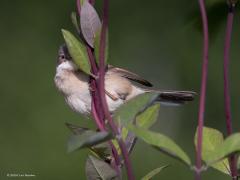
x=74 y=85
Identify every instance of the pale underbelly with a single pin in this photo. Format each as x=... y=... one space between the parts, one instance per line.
x=83 y=105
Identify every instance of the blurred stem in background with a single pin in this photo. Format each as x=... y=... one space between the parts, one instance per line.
x=227 y=101
x=203 y=90
x=227 y=105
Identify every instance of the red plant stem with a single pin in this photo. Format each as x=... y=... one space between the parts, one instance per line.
x=97 y=112
x=116 y=162
x=107 y=114
x=93 y=84
x=227 y=101
x=78 y=6
x=97 y=119
x=203 y=90
x=92 y=2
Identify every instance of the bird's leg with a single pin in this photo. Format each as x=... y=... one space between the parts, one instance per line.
x=91 y=89
x=114 y=98
x=111 y=96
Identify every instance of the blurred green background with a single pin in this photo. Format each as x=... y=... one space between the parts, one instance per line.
x=160 y=40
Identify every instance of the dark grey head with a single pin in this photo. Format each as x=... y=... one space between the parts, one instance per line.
x=64 y=61
x=63 y=54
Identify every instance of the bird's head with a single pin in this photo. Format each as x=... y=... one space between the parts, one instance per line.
x=64 y=61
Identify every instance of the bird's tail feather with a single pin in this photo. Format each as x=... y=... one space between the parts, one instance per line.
x=175 y=97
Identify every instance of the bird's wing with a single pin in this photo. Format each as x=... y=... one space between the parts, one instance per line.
x=129 y=75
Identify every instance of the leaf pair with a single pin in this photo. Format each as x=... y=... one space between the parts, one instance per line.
x=142 y=112
x=134 y=112
x=90 y=27
x=85 y=138
x=137 y=116
x=162 y=143
x=212 y=138
x=126 y=113
x=98 y=169
x=229 y=146
x=145 y=120
x=146 y=115
x=216 y=150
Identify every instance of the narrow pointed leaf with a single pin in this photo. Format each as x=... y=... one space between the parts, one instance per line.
x=77 y=51
x=212 y=138
x=130 y=141
x=115 y=143
x=75 y=129
x=145 y=120
x=154 y=172
x=97 y=47
x=75 y=21
x=127 y=112
x=102 y=151
x=90 y=22
x=148 y=117
x=98 y=169
x=230 y=145
x=162 y=143
x=87 y=139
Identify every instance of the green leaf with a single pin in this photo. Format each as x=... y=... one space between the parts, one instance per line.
x=130 y=141
x=145 y=120
x=124 y=133
x=102 y=151
x=161 y=142
x=154 y=172
x=90 y=22
x=75 y=129
x=212 y=138
x=127 y=112
x=75 y=21
x=82 y=1
x=115 y=143
x=98 y=169
x=97 y=46
x=77 y=51
x=148 y=117
x=229 y=146
x=87 y=139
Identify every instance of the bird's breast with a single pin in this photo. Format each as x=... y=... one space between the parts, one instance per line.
x=80 y=104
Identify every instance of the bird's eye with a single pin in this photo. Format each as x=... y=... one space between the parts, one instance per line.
x=62 y=57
